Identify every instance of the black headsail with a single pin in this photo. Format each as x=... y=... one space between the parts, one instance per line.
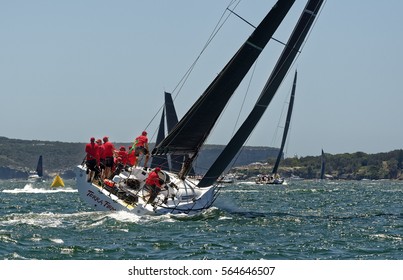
x=280 y=70
x=171 y=119
x=160 y=160
x=39 y=167
x=193 y=129
x=287 y=125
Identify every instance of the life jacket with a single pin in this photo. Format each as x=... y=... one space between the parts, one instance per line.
x=109 y=183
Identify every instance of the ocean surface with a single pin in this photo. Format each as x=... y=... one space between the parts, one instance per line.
x=305 y=220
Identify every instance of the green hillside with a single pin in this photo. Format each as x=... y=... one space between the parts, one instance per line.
x=18 y=157
x=354 y=166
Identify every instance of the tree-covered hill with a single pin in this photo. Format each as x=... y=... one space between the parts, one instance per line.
x=23 y=155
x=18 y=157
x=351 y=166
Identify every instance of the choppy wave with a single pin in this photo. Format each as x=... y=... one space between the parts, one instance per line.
x=31 y=188
x=304 y=220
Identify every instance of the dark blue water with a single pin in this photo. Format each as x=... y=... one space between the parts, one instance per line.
x=304 y=220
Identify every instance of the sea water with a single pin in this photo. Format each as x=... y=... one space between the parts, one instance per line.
x=304 y=220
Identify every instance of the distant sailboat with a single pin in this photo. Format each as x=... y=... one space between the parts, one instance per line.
x=275 y=178
x=323 y=166
x=57 y=182
x=35 y=176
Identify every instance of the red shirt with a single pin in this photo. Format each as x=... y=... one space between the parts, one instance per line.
x=153 y=179
x=108 y=149
x=101 y=151
x=141 y=141
x=123 y=157
x=92 y=151
x=132 y=158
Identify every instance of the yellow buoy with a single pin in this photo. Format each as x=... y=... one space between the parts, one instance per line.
x=57 y=182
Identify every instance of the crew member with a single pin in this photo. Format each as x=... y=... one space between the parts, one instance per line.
x=131 y=157
x=154 y=183
x=141 y=144
x=121 y=158
x=92 y=159
x=101 y=158
x=109 y=150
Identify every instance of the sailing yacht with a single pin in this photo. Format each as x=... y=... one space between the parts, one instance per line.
x=37 y=174
x=181 y=192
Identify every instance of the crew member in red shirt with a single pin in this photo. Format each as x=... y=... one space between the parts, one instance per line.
x=109 y=150
x=141 y=144
x=131 y=157
x=154 y=183
x=121 y=158
x=101 y=157
x=92 y=159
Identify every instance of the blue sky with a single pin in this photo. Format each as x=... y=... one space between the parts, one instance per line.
x=74 y=69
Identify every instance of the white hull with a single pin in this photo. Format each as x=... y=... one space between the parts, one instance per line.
x=273 y=182
x=34 y=178
x=181 y=196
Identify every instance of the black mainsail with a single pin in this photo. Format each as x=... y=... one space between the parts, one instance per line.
x=184 y=138
x=287 y=125
x=280 y=70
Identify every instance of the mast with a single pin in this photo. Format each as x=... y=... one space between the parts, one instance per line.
x=280 y=70
x=186 y=138
x=287 y=125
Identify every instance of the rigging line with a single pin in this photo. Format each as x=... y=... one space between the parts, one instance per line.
x=295 y=60
x=152 y=119
x=274 y=39
x=303 y=44
x=299 y=51
x=281 y=118
x=246 y=94
x=215 y=31
x=184 y=78
x=242 y=18
x=313 y=25
x=306 y=39
x=233 y=132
